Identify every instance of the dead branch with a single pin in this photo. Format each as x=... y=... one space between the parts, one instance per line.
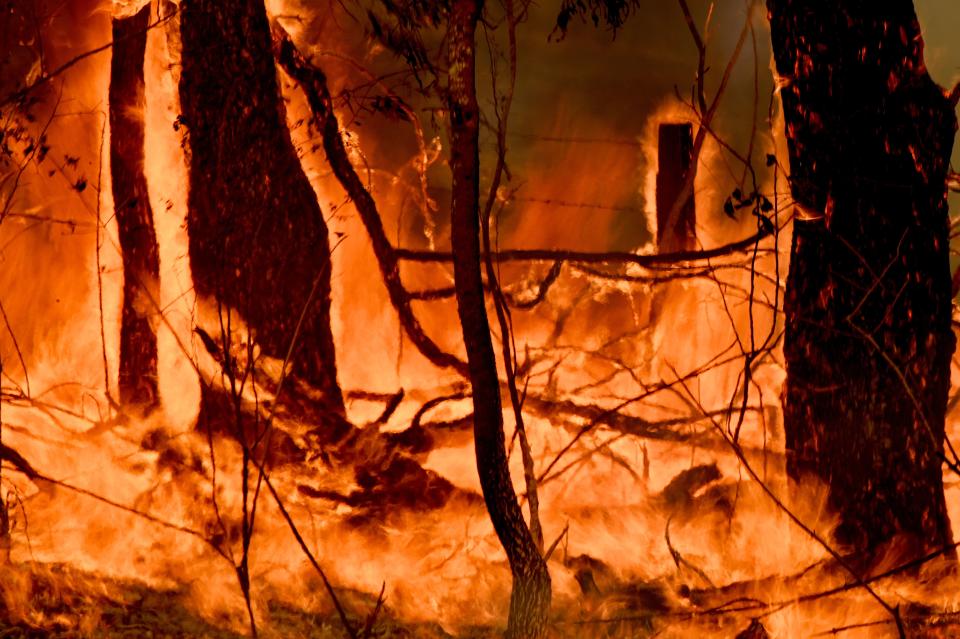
x=586 y=257
x=679 y=559
x=542 y=288
x=390 y=407
x=306 y=551
x=706 y=114
x=313 y=82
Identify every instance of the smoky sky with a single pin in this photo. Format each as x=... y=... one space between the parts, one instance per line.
x=594 y=84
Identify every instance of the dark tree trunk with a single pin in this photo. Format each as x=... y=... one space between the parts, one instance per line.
x=674 y=164
x=258 y=241
x=675 y=161
x=530 y=600
x=868 y=336
x=138 y=241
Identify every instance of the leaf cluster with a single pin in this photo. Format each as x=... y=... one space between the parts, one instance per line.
x=609 y=13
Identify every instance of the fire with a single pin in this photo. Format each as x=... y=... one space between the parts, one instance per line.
x=632 y=384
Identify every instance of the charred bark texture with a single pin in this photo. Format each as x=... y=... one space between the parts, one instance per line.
x=530 y=599
x=138 y=240
x=868 y=338
x=258 y=240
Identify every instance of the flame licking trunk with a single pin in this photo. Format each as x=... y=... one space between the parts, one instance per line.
x=259 y=245
x=137 y=379
x=869 y=337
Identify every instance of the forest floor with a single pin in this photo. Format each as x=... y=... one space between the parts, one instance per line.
x=54 y=600
x=39 y=600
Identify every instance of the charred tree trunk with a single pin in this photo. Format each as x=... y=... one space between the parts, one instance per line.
x=675 y=161
x=258 y=240
x=138 y=240
x=530 y=599
x=674 y=164
x=868 y=336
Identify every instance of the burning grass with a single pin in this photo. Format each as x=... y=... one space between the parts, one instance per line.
x=55 y=600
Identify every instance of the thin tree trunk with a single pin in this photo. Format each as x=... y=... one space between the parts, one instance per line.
x=258 y=240
x=868 y=336
x=138 y=240
x=530 y=600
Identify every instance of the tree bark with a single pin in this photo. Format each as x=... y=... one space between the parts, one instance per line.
x=258 y=240
x=868 y=337
x=530 y=599
x=137 y=383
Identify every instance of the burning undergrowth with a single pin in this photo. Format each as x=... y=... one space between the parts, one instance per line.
x=293 y=452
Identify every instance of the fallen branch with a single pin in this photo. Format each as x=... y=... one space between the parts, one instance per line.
x=587 y=257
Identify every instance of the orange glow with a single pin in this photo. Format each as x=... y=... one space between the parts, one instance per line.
x=595 y=345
